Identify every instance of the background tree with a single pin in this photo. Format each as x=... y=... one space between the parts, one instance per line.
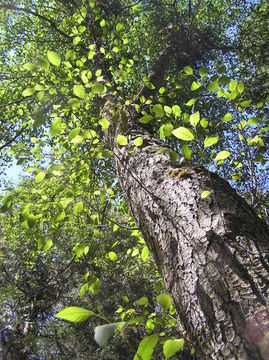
x=92 y=96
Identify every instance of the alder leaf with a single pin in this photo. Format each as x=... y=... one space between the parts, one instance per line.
x=183 y=133
x=75 y=314
x=54 y=58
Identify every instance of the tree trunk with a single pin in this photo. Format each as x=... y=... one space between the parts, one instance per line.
x=212 y=252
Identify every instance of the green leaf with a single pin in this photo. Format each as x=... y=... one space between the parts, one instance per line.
x=188 y=70
x=204 y=123
x=83 y=290
x=97 y=89
x=56 y=127
x=253 y=121
x=146 y=119
x=183 y=133
x=48 y=245
x=171 y=347
x=186 y=152
x=158 y=110
x=103 y=23
x=205 y=194
x=195 y=85
x=103 y=333
x=143 y=301
x=40 y=176
x=122 y=140
x=145 y=253
x=232 y=85
x=222 y=155
x=203 y=71
x=73 y=133
x=195 y=118
x=146 y=347
x=54 y=58
x=113 y=256
x=176 y=110
x=28 y=92
x=78 y=208
x=211 y=140
x=75 y=314
x=190 y=102
x=164 y=300
x=138 y=141
x=245 y=103
x=213 y=86
x=79 y=91
x=76 y=40
x=119 y=27
x=104 y=123
x=227 y=117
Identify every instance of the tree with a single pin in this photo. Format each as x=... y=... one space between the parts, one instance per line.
x=105 y=83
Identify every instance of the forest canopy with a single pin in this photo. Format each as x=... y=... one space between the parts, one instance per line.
x=129 y=121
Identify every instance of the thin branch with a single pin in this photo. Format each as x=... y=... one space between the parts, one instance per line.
x=12 y=139
x=42 y=17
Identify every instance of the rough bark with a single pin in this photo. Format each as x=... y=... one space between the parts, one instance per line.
x=212 y=253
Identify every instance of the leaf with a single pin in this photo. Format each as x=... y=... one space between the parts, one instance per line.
x=211 y=140
x=143 y=301
x=122 y=140
x=146 y=347
x=222 y=155
x=195 y=85
x=158 y=110
x=79 y=91
x=195 y=118
x=73 y=133
x=204 y=123
x=28 y=92
x=190 y=102
x=245 y=103
x=103 y=23
x=75 y=314
x=104 y=123
x=78 y=208
x=205 y=194
x=164 y=300
x=176 y=110
x=213 y=86
x=146 y=119
x=171 y=347
x=145 y=253
x=186 y=152
x=232 y=85
x=97 y=89
x=183 y=133
x=138 y=141
x=83 y=290
x=188 y=70
x=227 y=117
x=103 y=333
x=119 y=27
x=56 y=127
x=48 y=245
x=112 y=256
x=203 y=71
x=39 y=177
x=54 y=58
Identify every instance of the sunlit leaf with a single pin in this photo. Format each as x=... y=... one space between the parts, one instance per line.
x=146 y=347
x=75 y=314
x=222 y=155
x=183 y=133
x=54 y=58
x=171 y=347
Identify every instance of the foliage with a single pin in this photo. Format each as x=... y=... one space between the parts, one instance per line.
x=68 y=242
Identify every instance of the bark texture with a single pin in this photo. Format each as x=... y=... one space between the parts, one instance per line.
x=212 y=253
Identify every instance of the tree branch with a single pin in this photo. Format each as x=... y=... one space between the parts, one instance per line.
x=42 y=17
